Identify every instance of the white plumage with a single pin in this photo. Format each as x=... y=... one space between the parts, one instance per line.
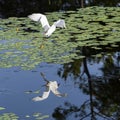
x=50 y=86
x=48 y=30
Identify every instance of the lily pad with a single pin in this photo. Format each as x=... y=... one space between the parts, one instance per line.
x=2 y=108
x=8 y=116
x=23 y=44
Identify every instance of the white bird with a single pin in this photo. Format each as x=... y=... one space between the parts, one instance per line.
x=48 y=30
x=50 y=86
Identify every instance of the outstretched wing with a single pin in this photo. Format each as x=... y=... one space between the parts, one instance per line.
x=60 y=23
x=50 y=30
x=40 y=18
x=43 y=97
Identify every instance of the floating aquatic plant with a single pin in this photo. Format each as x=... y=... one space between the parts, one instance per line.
x=22 y=44
x=12 y=116
x=2 y=108
x=8 y=116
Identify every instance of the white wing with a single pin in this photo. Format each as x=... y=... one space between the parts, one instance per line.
x=60 y=23
x=43 y=97
x=40 y=18
x=50 y=30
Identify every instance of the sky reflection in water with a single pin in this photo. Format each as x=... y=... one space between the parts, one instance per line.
x=14 y=83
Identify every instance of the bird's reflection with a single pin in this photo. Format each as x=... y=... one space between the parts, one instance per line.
x=51 y=86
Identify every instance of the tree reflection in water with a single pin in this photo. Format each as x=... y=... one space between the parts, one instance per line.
x=25 y=7
x=104 y=91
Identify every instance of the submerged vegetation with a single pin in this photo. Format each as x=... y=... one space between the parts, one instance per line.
x=22 y=43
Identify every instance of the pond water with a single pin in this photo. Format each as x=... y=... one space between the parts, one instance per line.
x=14 y=83
x=83 y=59
x=17 y=87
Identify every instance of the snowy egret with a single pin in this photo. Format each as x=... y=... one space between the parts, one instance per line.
x=48 y=30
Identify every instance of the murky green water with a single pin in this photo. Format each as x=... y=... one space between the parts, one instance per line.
x=84 y=59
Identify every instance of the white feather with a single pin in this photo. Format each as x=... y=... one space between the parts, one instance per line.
x=45 y=24
x=40 y=18
x=50 y=30
x=51 y=86
x=60 y=23
x=43 y=97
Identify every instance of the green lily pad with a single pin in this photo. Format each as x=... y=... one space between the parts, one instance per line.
x=8 y=116
x=2 y=108
x=23 y=44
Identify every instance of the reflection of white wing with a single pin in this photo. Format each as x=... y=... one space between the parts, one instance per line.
x=60 y=23
x=40 y=18
x=53 y=87
x=44 y=96
x=50 y=86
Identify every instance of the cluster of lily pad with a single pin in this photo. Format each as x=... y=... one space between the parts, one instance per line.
x=13 y=116
x=23 y=44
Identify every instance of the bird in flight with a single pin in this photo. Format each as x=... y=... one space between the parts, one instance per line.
x=48 y=30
